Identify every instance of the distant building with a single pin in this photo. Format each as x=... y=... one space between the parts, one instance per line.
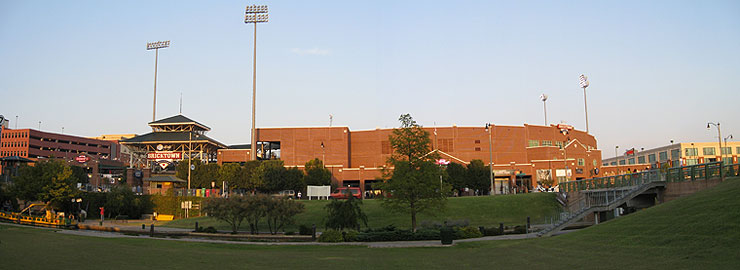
x=99 y=157
x=673 y=155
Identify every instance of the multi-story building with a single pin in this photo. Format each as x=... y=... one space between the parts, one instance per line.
x=97 y=156
x=521 y=156
x=675 y=155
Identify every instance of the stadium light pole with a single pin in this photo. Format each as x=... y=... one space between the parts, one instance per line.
x=490 y=157
x=584 y=83
x=719 y=136
x=255 y=14
x=543 y=97
x=156 y=46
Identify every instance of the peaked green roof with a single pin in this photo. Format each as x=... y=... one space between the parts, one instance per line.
x=153 y=137
x=178 y=120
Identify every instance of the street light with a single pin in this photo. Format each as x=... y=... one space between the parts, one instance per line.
x=156 y=46
x=489 y=127
x=543 y=97
x=584 y=84
x=616 y=157
x=255 y=14
x=719 y=136
x=726 y=138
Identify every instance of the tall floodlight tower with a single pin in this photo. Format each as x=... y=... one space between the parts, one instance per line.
x=156 y=46
x=584 y=83
x=255 y=14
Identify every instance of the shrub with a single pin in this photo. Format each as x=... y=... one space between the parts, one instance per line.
x=521 y=229
x=289 y=232
x=383 y=234
x=468 y=232
x=492 y=231
x=331 y=236
x=305 y=230
x=210 y=230
x=350 y=236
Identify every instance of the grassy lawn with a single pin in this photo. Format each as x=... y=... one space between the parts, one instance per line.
x=696 y=232
x=479 y=211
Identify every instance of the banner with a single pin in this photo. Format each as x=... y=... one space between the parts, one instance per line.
x=164 y=155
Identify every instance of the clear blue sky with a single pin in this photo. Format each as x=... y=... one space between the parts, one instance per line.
x=659 y=70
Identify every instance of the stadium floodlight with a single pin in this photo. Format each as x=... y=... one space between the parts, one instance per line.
x=156 y=46
x=255 y=14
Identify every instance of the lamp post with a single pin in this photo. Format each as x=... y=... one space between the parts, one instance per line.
x=726 y=138
x=543 y=97
x=156 y=46
x=584 y=84
x=16 y=122
x=255 y=14
x=616 y=157
x=489 y=127
x=719 y=136
x=323 y=155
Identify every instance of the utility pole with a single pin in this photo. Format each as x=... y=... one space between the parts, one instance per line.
x=489 y=127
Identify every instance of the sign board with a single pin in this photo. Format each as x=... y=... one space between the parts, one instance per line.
x=318 y=191
x=164 y=164
x=186 y=204
x=82 y=159
x=164 y=155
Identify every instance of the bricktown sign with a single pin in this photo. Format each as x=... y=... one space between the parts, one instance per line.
x=164 y=155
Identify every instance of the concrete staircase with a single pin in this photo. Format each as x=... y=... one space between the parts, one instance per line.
x=599 y=201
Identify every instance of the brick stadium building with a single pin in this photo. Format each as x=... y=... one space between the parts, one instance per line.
x=522 y=155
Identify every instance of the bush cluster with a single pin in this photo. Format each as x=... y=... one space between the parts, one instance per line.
x=206 y=230
x=331 y=236
x=305 y=230
x=467 y=232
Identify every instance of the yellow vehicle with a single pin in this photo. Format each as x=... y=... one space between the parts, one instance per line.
x=48 y=221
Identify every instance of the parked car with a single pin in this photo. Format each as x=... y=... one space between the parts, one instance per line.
x=290 y=194
x=341 y=193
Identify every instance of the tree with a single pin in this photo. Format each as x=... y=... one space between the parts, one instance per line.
x=232 y=210
x=479 y=177
x=317 y=174
x=256 y=210
x=414 y=182
x=254 y=179
x=51 y=181
x=456 y=176
x=280 y=212
x=272 y=173
x=345 y=214
x=121 y=200
x=294 y=179
x=234 y=175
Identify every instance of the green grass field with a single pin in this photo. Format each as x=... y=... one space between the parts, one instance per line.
x=479 y=211
x=696 y=232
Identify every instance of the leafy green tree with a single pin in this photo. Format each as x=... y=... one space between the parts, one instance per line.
x=121 y=200
x=317 y=174
x=254 y=178
x=413 y=184
x=294 y=179
x=456 y=176
x=234 y=175
x=233 y=210
x=479 y=176
x=256 y=209
x=29 y=183
x=50 y=181
x=410 y=142
x=273 y=175
x=346 y=214
x=281 y=212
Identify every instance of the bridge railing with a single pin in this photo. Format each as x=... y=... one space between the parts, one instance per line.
x=612 y=182
x=702 y=172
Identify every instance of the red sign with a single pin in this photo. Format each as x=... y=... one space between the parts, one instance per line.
x=630 y=152
x=82 y=159
x=164 y=155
